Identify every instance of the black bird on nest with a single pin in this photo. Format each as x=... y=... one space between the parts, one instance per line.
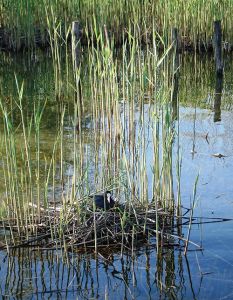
x=104 y=201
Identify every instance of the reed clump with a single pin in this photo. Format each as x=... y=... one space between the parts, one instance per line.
x=117 y=128
x=24 y=23
x=121 y=109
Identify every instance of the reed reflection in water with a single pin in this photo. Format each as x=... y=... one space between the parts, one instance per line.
x=139 y=275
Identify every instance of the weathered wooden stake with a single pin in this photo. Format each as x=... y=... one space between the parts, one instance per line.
x=175 y=40
x=218 y=47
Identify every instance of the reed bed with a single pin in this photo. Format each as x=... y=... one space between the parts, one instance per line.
x=25 y=22
x=115 y=127
x=120 y=136
x=122 y=105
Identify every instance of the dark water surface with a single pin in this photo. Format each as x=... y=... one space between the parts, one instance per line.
x=205 y=131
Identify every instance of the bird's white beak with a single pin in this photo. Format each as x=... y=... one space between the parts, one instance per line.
x=108 y=197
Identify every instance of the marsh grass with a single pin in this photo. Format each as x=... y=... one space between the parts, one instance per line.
x=127 y=141
x=26 y=20
x=126 y=103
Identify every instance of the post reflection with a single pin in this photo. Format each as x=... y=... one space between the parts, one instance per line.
x=217 y=98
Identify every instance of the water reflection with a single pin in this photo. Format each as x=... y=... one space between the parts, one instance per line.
x=139 y=275
x=218 y=96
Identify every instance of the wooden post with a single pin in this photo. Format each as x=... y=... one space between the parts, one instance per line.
x=217 y=98
x=218 y=47
x=175 y=41
x=175 y=81
x=219 y=70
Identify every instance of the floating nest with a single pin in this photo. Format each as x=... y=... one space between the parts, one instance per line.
x=118 y=228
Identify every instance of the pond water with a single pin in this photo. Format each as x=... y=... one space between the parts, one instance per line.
x=206 y=148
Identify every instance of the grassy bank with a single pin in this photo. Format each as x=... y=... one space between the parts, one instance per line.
x=26 y=21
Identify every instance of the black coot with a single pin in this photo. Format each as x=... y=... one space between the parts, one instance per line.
x=104 y=201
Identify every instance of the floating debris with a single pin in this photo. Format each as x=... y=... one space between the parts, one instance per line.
x=207 y=138
x=219 y=155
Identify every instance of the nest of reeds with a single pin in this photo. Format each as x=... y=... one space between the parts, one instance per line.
x=121 y=227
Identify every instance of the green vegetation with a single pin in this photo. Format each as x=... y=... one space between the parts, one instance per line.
x=122 y=99
x=122 y=102
x=110 y=121
x=26 y=20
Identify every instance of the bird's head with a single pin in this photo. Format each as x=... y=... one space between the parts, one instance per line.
x=108 y=196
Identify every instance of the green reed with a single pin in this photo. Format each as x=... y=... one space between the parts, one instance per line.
x=193 y=18
x=125 y=98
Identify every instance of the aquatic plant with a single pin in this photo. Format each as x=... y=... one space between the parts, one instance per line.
x=25 y=22
x=125 y=104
